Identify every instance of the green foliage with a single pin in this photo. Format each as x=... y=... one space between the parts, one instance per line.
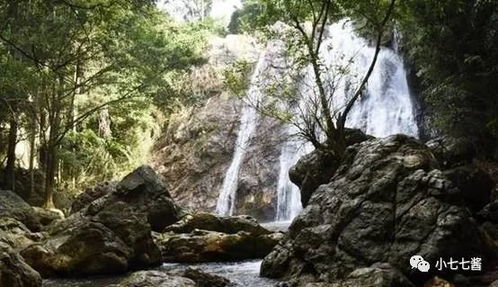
x=300 y=27
x=454 y=48
x=85 y=80
x=243 y=20
x=237 y=77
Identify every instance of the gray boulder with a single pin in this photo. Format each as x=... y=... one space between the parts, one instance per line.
x=154 y=279
x=386 y=202
x=103 y=244
x=475 y=185
x=90 y=194
x=112 y=234
x=16 y=236
x=35 y=218
x=211 y=246
x=452 y=151
x=319 y=166
x=14 y=272
x=141 y=191
x=211 y=222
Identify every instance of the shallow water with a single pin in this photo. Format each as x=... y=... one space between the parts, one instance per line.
x=245 y=273
x=277 y=226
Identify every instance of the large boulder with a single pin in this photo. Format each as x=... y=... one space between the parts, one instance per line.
x=35 y=218
x=378 y=275
x=203 y=279
x=211 y=246
x=112 y=234
x=205 y=237
x=14 y=272
x=154 y=279
x=313 y=170
x=12 y=205
x=142 y=191
x=475 y=185
x=94 y=245
x=90 y=194
x=386 y=202
x=15 y=236
x=145 y=191
x=211 y=222
x=452 y=151
x=489 y=212
x=319 y=166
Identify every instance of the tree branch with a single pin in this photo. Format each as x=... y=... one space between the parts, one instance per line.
x=359 y=91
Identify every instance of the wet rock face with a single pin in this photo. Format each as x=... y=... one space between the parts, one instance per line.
x=211 y=222
x=91 y=194
x=154 y=279
x=258 y=176
x=319 y=166
x=195 y=151
x=112 y=234
x=204 y=237
x=14 y=235
x=386 y=202
x=14 y=272
x=203 y=279
x=13 y=206
x=211 y=246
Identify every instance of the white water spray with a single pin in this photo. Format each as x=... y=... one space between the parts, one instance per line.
x=248 y=122
x=385 y=109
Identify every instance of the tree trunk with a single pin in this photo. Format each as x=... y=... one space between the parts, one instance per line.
x=50 y=170
x=10 y=167
x=32 y=155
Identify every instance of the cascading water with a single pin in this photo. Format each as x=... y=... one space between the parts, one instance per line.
x=248 y=121
x=385 y=109
x=288 y=195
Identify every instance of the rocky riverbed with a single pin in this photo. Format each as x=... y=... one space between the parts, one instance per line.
x=365 y=216
x=119 y=228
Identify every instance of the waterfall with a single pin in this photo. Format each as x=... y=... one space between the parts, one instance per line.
x=385 y=109
x=248 y=121
x=288 y=194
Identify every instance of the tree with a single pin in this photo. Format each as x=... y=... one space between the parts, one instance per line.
x=453 y=50
x=87 y=56
x=305 y=26
x=188 y=10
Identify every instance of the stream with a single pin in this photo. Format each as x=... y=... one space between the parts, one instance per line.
x=244 y=273
x=241 y=273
